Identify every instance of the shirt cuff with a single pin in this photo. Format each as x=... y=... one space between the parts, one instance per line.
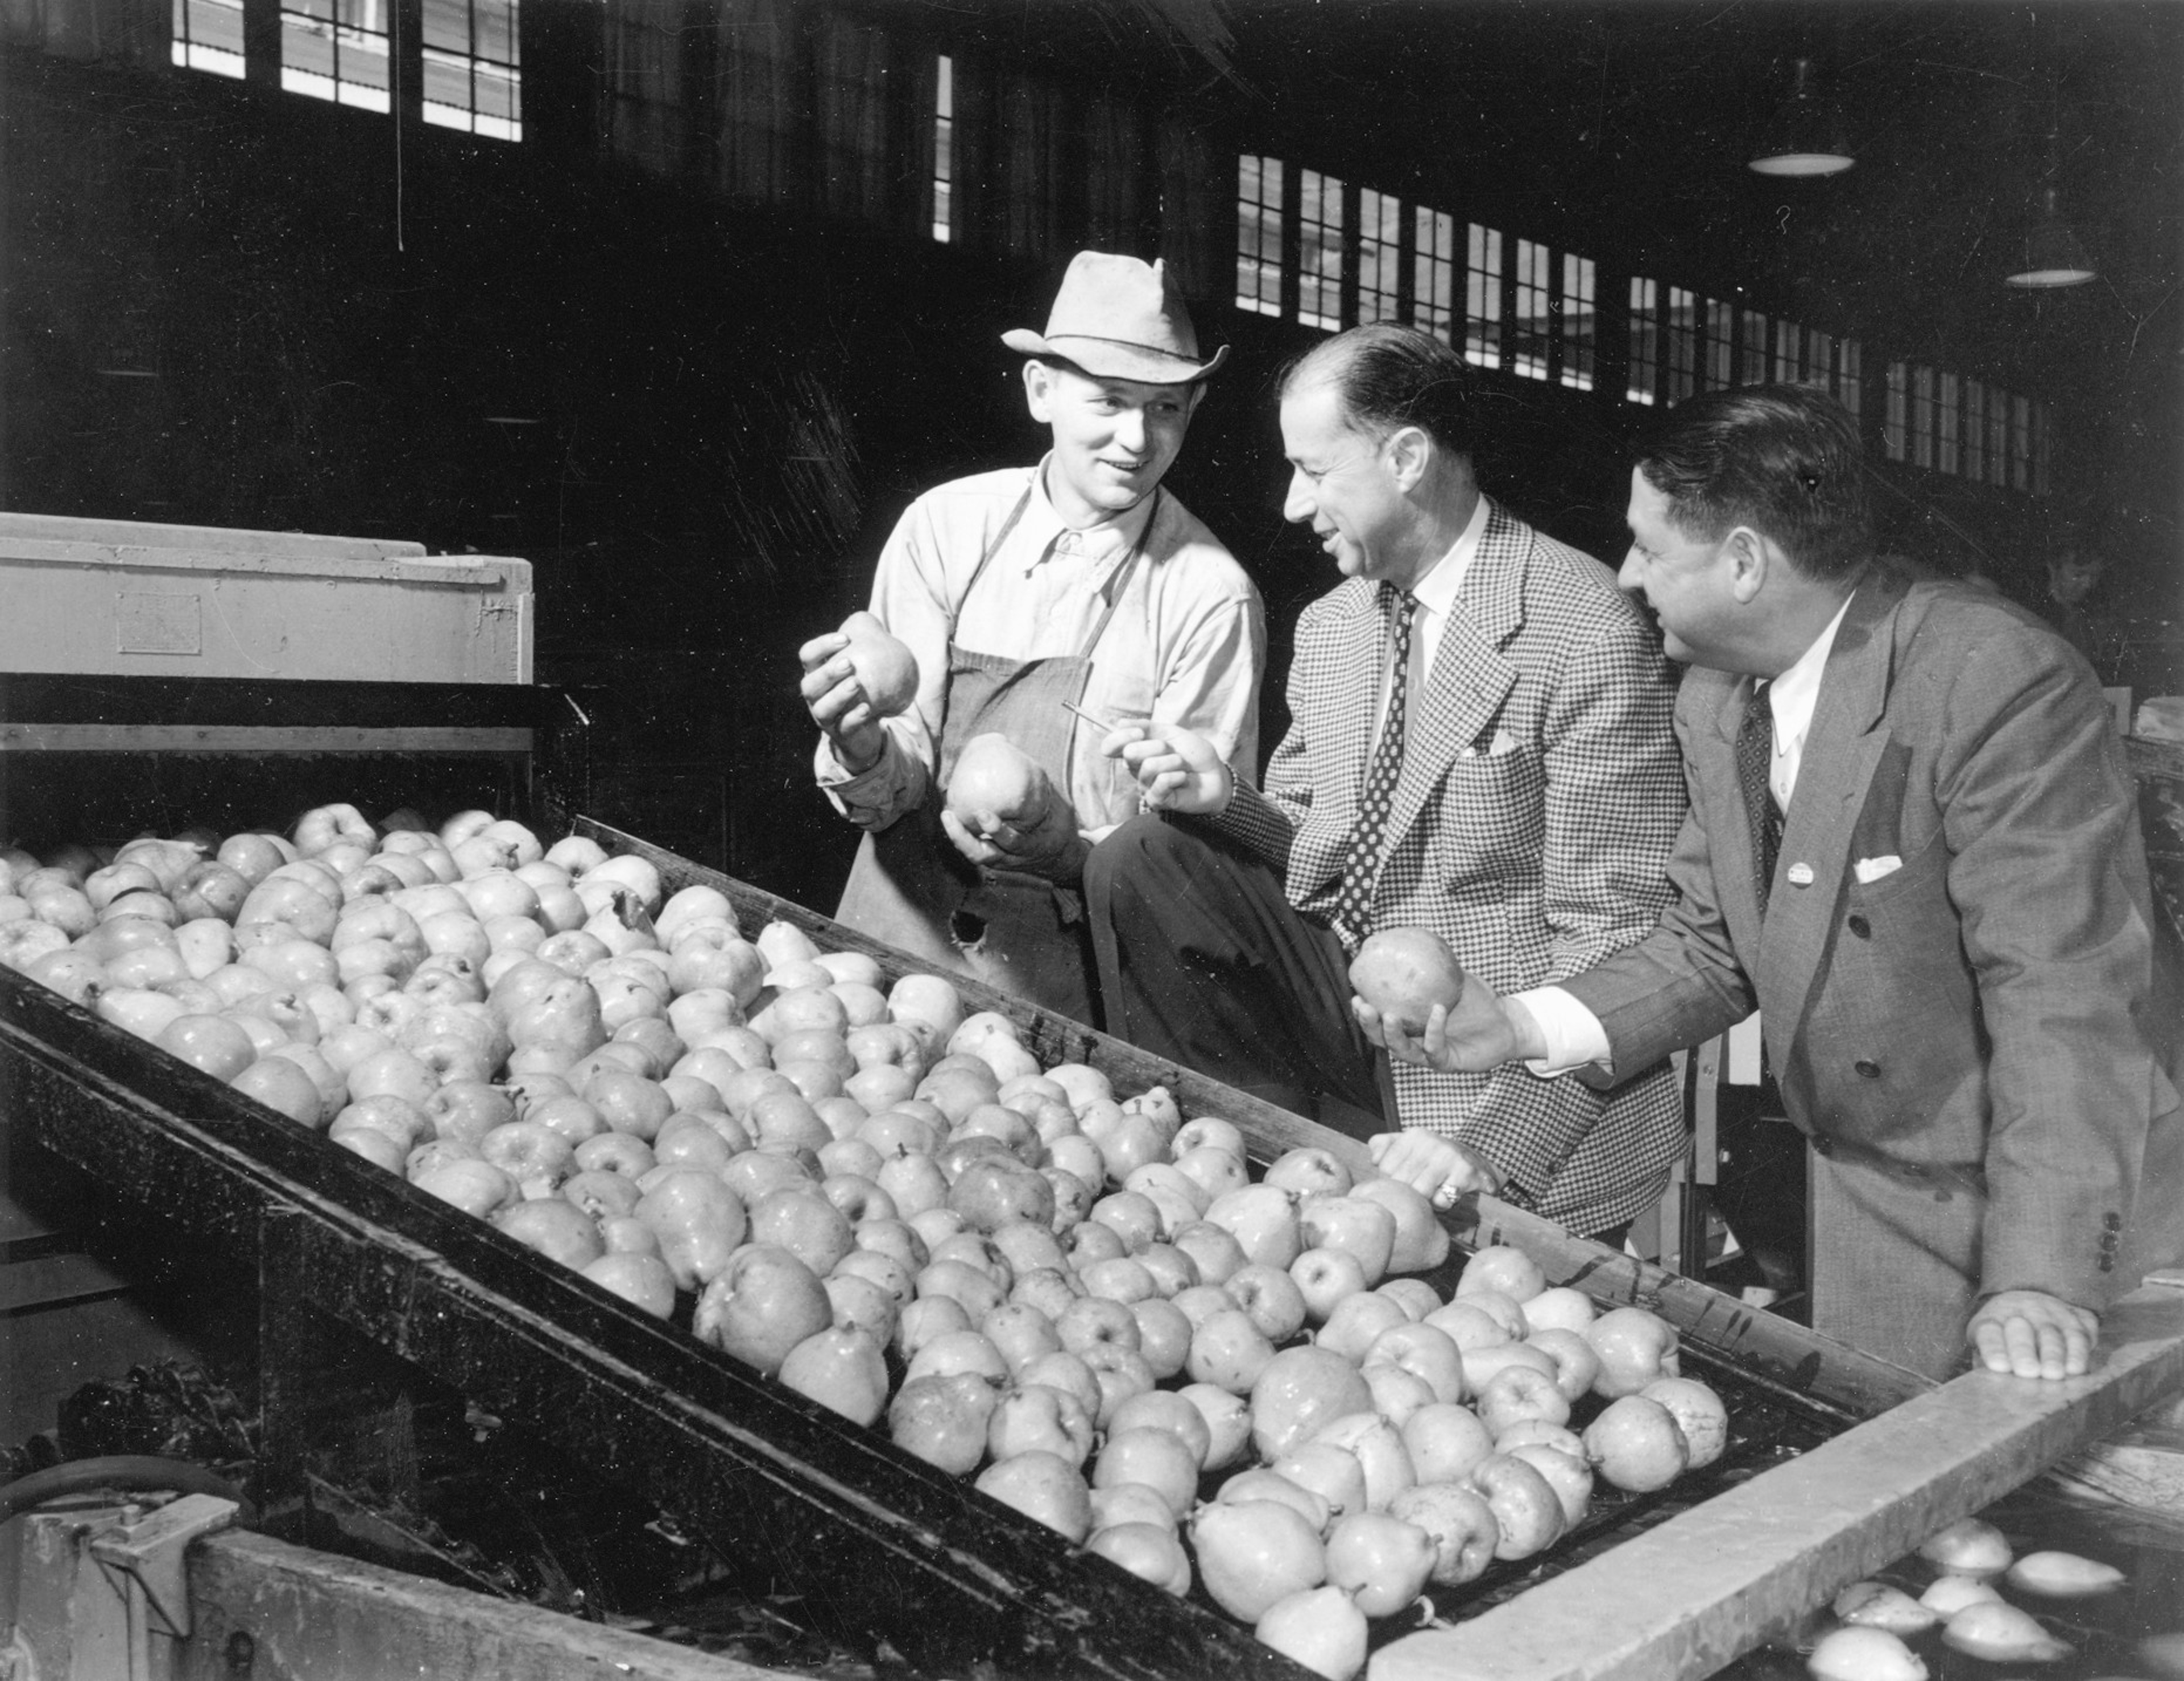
x=1574 y=1036
x=870 y=799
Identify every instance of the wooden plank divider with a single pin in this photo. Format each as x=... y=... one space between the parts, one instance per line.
x=1684 y=1598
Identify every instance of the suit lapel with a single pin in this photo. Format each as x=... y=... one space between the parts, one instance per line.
x=1359 y=652
x=1470 y=678
x=1841 y=749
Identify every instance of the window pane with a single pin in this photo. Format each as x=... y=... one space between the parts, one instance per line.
x=1850 y=384
x=1721 y=343
x=1482 y=301
x=944 y=150
x=1789 y=366
x=471 y=78
x=1433 y=274
x=208 y=36
x=1998 y=437
x=2020 y=443
x=1974 y=430
x=1820 y=359
x=1644 y=340
x=1319 y=251
x=335 y=49
x=1683 y=344
x=1753 y=368
x=1379 y=255
x=1894 y=427
x=1259 y=234
x=1580 y=322
x=1530 y=330
x=1946 y=415
x=1922 y=417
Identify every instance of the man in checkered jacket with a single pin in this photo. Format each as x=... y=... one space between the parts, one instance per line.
x=1515 y=788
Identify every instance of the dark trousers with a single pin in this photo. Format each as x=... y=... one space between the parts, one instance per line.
x=1203 y=961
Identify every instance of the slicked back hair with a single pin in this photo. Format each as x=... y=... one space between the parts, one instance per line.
x=1389 y=377
x=1785 y=459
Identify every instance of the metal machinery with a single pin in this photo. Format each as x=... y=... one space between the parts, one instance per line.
x=341 y=1268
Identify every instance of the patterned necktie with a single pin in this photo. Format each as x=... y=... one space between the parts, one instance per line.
x=1353 y=900
x=1755 y=749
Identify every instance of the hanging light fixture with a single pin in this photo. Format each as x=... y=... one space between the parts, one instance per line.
x=2054 y=257
x=1804 y=137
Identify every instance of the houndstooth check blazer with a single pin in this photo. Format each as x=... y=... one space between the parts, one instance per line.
x=1540 y=795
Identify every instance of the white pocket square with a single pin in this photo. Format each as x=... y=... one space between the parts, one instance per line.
x=1871 y=869
x=1503 y=743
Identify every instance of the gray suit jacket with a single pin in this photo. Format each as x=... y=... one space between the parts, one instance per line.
x=1970 y=1020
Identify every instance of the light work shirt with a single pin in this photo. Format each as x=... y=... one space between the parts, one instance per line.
x=1187 y=645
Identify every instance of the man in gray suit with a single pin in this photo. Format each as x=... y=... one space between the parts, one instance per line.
x=1913 y=846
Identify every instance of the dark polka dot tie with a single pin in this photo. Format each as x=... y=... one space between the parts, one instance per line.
x=1353 y=900
x=1755 y=748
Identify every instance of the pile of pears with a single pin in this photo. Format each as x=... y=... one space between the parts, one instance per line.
x=1234 y=1388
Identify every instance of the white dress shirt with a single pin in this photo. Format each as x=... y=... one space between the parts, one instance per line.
x=1574 y=1037
x=1437 y=593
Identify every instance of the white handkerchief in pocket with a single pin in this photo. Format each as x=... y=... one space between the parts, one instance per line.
x=1503 y=743
x=1871 y=869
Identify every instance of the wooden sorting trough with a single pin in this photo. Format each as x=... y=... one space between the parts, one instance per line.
x=883 y=1546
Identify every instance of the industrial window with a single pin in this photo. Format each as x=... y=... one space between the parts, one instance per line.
x=2042 y=428
x=1850 y=383
x=1997 y=436
x=1482 y=297
x=1948 y=458
x=1319 y=251
x=208 y=36
x=1754 y=360
x=1922 y=416
x=1580 y=322
x=1530 y=332
x=1259 y=235
x=2020 y=443
x=1645 y=339
x=1820 y=359
x=473 y=67
x=1720 y=343
x=1682 y=334
x=1895 y=424
x=1789 y=360
x=1974 y=430
x=337 y=50
x=1379 y=255
x=1432 y=273
x=944 y=150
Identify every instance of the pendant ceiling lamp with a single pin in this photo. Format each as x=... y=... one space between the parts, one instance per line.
x=1805 y=135
x=2052 y=257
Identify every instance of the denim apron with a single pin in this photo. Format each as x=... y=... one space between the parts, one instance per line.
x=910 y=885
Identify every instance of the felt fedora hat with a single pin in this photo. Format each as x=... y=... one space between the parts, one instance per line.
x=1117 y=318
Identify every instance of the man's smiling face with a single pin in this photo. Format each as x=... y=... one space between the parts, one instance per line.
x=1114 y=439
x=1342 y=485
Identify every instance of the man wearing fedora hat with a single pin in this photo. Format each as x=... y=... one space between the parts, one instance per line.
x=1035 y=599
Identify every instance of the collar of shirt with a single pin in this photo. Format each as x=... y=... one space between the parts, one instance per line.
x=1436 y=592
x=1040 y=535
x=1792 y=698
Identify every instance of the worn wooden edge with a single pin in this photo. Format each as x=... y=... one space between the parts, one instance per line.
x=1711 y=1583
x=233 y=540
x=251 y=739
x=307 y=1612
x=147 y=565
